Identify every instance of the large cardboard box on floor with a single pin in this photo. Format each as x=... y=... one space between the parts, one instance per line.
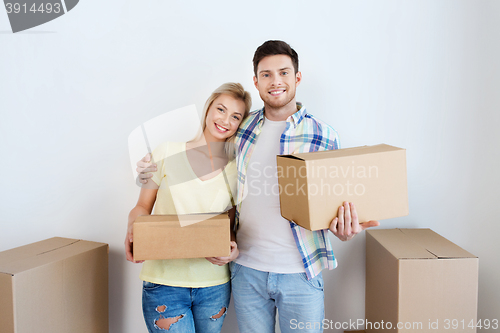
x=58 y=285
x=314 y=185
x=421 y=280
x=163 y=237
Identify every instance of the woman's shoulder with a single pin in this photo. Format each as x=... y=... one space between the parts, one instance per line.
x=231 y=169
x=168 y=148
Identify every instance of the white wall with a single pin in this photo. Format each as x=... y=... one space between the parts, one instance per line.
x=423 y=75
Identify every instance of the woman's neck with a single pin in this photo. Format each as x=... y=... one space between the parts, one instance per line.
x=215 y=147
x=205 y=157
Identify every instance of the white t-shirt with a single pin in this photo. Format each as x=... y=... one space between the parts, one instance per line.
x=265 y=239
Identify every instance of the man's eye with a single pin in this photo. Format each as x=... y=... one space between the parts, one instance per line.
x=284 y=73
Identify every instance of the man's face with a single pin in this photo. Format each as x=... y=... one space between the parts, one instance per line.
x=276 y=81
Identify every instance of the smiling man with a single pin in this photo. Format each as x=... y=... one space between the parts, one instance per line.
x=280 y=263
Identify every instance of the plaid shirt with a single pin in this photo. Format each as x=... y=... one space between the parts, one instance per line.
x=303 y=133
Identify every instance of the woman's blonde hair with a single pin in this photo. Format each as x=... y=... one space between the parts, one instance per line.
x=236 y=91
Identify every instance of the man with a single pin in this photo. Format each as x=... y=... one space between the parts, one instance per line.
x=280 y=263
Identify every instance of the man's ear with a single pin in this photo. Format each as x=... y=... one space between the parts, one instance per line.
x=298 y=78
x=255 y=81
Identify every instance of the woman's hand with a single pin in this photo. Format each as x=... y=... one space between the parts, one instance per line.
x=129 y=242
x=221 y=261
x=144 y=206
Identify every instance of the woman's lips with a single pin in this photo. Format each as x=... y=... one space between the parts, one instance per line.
x=221 y=128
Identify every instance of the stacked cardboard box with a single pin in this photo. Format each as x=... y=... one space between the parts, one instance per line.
x=418 y=281
x=59 y=285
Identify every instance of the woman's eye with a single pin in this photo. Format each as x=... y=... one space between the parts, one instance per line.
x=220 y=109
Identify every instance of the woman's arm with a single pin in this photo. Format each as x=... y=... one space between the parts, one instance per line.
x=144 y=206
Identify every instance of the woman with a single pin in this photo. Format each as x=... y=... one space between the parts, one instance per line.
x=192 y=295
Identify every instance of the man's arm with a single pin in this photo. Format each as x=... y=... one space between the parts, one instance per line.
x=145 y=169
x=346 y=225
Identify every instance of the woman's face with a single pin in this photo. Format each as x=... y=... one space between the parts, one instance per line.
x=223 y=118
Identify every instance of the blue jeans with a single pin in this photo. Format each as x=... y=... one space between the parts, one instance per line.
x=185 y=310
x=257 y=295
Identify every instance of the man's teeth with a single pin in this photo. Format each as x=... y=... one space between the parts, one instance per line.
x=277 y=92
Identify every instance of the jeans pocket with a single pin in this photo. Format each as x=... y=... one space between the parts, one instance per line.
x=316 y=282
x=146 y=285
x=235 y=268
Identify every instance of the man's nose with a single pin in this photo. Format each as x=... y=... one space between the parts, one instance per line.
x=277 y=80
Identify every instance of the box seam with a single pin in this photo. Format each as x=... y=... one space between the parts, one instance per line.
x=60 y=247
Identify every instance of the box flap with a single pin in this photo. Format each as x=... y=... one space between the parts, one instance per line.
x=30 y=250
x=436 y=244
x=345 y=152
x=37 y=254
x=175 y=218
x=400 y=245
x=418 y=244
x=6 y=303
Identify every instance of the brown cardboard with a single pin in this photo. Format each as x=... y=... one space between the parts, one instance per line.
x=314 y=185
x=58 y=285
x=417 y=276
x=163 y=237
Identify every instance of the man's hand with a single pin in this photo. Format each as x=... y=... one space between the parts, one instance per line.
x=221 y=261
x=346 y=225
x=144 y=169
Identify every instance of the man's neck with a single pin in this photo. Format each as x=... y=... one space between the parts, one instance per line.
x=282 y=113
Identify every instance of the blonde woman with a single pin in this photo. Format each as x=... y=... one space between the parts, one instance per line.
x=192 y=295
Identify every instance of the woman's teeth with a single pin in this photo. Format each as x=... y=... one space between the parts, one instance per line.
x=221 y=128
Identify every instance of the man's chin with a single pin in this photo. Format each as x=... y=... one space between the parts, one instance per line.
x=277 y=104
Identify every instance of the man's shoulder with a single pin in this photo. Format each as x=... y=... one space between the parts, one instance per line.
x=252 y=115
x=250 y=121
x=316 y=125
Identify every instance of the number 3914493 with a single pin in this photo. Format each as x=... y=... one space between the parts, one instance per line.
x=462 y=324
x=35 y=8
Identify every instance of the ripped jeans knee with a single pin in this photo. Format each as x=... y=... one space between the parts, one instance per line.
x=179 y=309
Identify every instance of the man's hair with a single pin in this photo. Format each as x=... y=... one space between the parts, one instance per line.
x=275 y=47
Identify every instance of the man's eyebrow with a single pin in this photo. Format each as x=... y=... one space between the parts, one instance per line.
x=281 y=69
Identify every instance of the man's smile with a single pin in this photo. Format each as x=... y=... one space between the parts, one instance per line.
x=277 y=92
